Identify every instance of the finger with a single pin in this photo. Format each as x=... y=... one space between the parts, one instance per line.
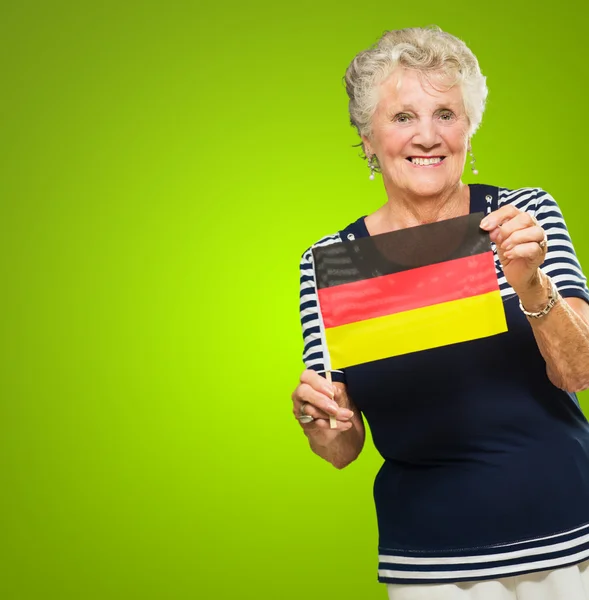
x=522 y=220
x=499 y=216
x=324 y=424
x=317 y=382
x=343 y=414
x=523 y=236
x=305 y=393
x=506 y=228
x=315 y=410
x=503 y=231
x=530 y=251
x=311 y=411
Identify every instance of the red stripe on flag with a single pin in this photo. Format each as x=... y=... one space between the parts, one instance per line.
x=407 y=290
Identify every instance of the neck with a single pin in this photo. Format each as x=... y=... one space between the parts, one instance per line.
x=403 y=211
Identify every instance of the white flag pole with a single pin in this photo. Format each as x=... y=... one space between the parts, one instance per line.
x=332 y=419
x=325 y=349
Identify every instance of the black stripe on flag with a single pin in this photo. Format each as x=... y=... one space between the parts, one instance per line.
x=401 y=250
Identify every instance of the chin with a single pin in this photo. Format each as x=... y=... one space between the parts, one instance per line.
x=418 y=184
x=428 y=185
x=427 y=189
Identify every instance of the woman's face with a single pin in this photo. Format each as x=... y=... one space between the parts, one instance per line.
x=419 y=135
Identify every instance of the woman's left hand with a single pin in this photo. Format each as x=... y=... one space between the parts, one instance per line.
x=520 y=245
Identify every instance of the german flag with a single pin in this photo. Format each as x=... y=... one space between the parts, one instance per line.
x=406 y=291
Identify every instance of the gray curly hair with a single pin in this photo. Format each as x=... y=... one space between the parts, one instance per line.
x=432 y=52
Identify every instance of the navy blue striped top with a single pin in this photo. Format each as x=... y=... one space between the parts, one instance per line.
x=486 y=462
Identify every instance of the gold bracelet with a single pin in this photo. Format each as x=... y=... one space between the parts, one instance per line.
x=553 y=298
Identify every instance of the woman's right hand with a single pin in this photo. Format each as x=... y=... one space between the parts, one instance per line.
x=321 y=400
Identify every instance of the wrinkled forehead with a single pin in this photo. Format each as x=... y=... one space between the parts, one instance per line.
x=409 y=85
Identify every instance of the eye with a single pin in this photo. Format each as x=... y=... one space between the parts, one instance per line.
x=446 y=115
x=402 y=118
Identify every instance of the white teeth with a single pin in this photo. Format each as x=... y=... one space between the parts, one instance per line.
x=426 y=161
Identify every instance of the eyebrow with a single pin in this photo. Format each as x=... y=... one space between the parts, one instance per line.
x=409 y=107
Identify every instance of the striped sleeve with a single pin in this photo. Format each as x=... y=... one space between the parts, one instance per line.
x=309 y=306
x=561 y=263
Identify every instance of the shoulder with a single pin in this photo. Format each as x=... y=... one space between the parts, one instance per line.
x=326 y=240
x=350 y=232
x=528 y=199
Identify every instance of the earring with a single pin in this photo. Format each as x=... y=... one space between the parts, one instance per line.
x=372 y=167
x=473 y=161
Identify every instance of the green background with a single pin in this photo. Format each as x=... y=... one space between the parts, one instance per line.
x=163 y=166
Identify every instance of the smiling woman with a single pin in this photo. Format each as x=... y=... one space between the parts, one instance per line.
x=484 y=488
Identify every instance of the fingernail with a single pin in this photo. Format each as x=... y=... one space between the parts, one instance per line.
x=329 y=392
x=485 y=222
x=333 y=407
x=508 y=247
x=344 y=413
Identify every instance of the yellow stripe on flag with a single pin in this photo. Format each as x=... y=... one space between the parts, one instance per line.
x=413 y=330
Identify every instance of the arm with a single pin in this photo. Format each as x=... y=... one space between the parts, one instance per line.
x=563 y=334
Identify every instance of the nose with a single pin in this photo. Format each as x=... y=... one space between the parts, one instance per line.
x=426 y=134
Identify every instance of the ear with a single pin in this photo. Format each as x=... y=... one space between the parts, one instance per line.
x=367 y=148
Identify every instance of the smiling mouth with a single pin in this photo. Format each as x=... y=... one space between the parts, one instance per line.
x=425 y=161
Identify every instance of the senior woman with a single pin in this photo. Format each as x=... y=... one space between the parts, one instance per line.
x=484 y=489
